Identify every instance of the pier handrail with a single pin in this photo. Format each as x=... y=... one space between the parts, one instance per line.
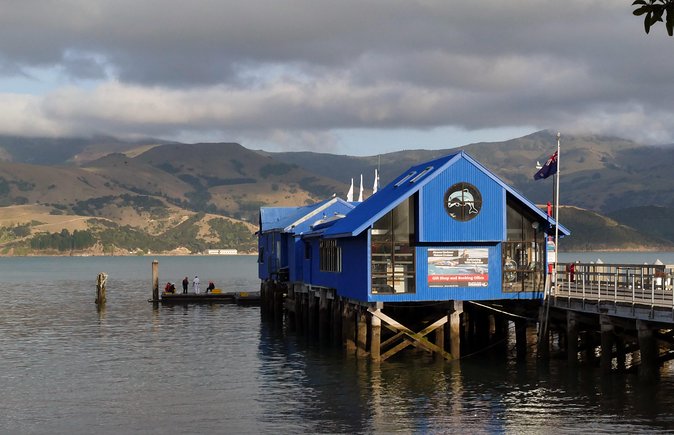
x=637 y=284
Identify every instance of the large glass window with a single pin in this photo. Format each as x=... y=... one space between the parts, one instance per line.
x=330 y=256
x=523 y=262
x=393 y=250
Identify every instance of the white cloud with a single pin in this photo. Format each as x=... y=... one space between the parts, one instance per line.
x=292 y=74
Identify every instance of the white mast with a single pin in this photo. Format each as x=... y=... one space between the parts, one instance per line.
x=376 y=182
x=349 y=195
x=360 y=194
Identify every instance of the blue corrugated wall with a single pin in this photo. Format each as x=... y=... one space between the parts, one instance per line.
x=435 y=225
x=353 y=281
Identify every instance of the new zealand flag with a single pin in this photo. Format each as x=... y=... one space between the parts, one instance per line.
x=549 y=168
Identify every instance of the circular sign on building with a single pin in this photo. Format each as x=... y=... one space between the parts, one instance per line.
x=463 y=201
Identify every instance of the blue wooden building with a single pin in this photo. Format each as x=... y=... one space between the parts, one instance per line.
x=280 y=248
x=444 y=230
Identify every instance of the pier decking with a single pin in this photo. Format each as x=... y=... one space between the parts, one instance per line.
x=241 y=298
x=625 y=290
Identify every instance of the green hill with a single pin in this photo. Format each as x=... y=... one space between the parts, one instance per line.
x=156 y=195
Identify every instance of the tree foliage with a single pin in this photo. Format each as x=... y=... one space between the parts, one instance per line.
x=654 y=10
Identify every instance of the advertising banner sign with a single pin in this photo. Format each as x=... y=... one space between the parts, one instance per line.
x=458 y=267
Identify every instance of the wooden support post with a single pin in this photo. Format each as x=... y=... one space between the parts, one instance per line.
x=455 y=330
x=571 y=338
x=544 y=337
x=590 y=348
x=278 y=304
x=323 y=325
x=521 y=339
x=299 y=313
x=648 y=369
x=290 y=308
x=362 y=332
x=313 y=314
x=337 y=320
x=606 y=342
x=620 y=352
x=409 y=337
x=100 y=289
x=439 y=341
x=348 y=327
x=375 y=339
x=482 y=329
x=155 y=280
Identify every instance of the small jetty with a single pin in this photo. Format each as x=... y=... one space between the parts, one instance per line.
x=241 y=298
x=216 y=296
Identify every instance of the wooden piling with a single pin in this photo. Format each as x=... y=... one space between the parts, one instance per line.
x=439 y=341
x=455 y=330
x=312 y=312
x=337 y=321
x=100 y=288
x=155 y=280
x=544 y=337
x=323 y=325
x=375 y=340
x=571 y=338
x=648 y=368
x=521 y=339
x=348 y=327
x=361 y=343
x=606 y=342
x=620 y=352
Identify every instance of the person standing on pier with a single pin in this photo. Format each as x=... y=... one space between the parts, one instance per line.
x=186 y=283
x=195 y=284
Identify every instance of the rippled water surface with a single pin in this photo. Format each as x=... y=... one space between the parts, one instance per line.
x=68 y=368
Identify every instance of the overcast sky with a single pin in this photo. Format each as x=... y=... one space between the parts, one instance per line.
x=341 y=76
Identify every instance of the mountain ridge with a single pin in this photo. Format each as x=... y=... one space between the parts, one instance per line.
x=152 y=187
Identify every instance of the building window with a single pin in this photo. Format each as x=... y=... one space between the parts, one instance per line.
x=260 y=255
x=463 y=202
x=307 y=251
x=405 y=178
x=330 y=255
x=393 y=263
x=523 y=254
x=421 y=174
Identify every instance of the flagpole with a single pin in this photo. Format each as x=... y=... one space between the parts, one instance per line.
x=557 y=213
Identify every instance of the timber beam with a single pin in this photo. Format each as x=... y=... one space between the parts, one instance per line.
x=409 y=337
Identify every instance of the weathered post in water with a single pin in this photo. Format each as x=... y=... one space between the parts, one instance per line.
x=100 y=288
x=155 y=280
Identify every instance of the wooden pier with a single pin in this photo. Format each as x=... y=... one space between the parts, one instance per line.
x=379 y=331
x=241 y=298
x=214 y=297
x=617 y=317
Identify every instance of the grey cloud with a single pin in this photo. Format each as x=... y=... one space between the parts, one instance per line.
x=296 y=70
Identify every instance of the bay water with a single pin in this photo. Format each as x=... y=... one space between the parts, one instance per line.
x=68 y=368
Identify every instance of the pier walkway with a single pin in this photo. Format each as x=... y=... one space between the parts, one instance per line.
x=634 y=291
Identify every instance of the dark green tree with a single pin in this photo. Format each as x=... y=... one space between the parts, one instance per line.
x=654 y=10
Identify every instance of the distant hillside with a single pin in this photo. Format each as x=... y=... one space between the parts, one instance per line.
x=591 y=231
x=153 y=195
x=185 y=197
x=651 y=220
x=57 y=151
x=598 y=172
x=230 y=179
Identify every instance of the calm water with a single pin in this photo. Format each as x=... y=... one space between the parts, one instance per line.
x=67 y=368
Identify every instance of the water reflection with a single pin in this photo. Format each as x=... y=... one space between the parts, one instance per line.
x=130 y=368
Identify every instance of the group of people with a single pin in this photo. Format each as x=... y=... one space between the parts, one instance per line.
x=171 y=287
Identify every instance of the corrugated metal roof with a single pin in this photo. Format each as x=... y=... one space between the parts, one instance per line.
x=390 y=196
x=408 y=183
x=288 y=219
x=271 y=216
